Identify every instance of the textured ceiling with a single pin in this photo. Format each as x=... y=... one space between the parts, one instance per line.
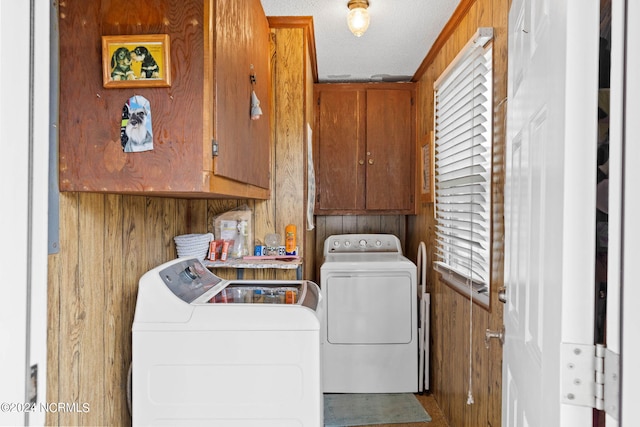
x=399 y=37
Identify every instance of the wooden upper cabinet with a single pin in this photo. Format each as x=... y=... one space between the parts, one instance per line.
x=215 y=47
x=340 y=150
x=242 y=50
x=390 y=148
x=365 y=148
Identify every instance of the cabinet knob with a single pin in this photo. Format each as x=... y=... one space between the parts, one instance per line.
x=370 y=161
x=361 y=162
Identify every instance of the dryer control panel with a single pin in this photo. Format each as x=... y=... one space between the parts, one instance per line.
x=358 y=243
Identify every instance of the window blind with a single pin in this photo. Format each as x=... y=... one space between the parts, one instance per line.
x=463 y=141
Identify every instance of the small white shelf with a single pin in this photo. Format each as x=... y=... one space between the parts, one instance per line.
x=242 y=264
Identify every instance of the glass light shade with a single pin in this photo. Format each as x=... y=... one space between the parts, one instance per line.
x=358 y=20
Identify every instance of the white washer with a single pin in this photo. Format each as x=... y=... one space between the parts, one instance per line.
x=212 y=352
x=369 y=331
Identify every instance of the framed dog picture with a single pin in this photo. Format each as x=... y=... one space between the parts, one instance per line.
x=136 y=61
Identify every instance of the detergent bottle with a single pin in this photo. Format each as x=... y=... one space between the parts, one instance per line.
x=290 y=240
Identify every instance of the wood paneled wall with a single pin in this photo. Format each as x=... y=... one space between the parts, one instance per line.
x=108 y=241
x=292 y=93
x=452 y=317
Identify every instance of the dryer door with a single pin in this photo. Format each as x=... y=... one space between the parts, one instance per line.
x=369 y=308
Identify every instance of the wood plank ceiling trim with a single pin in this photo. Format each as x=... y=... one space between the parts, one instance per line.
x=306 y=23
x=447 y=31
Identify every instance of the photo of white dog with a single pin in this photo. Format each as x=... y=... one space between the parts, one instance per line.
x=136 y=133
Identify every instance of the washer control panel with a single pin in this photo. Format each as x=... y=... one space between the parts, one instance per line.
x=350 y=243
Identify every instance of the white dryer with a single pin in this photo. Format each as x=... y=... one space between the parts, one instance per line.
x=369 y=331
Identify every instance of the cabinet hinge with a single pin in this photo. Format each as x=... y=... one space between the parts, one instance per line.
x=590 y=377
x=214 y=147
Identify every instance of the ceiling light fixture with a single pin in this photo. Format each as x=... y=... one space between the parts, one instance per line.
x=358 y=18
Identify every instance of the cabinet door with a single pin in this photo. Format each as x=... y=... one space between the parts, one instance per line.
x=390 y=148
x=340 y=155
x=210 y=88
x=242 y=49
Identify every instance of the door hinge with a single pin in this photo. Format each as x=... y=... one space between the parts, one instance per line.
x=32 y=385
x=214 y=147
x=590 y=377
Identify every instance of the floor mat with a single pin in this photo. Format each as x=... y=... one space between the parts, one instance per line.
x=341 y=410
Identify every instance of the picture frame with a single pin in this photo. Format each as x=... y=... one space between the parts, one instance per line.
x=131 y=61
x=426 y=169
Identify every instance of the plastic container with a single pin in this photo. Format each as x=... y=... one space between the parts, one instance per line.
x=290 y=239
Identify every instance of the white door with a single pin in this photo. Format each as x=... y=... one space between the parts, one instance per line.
x=549 y=204
x=630 y=354
x=624 y=208
x=24 y=140
x=14 y=164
